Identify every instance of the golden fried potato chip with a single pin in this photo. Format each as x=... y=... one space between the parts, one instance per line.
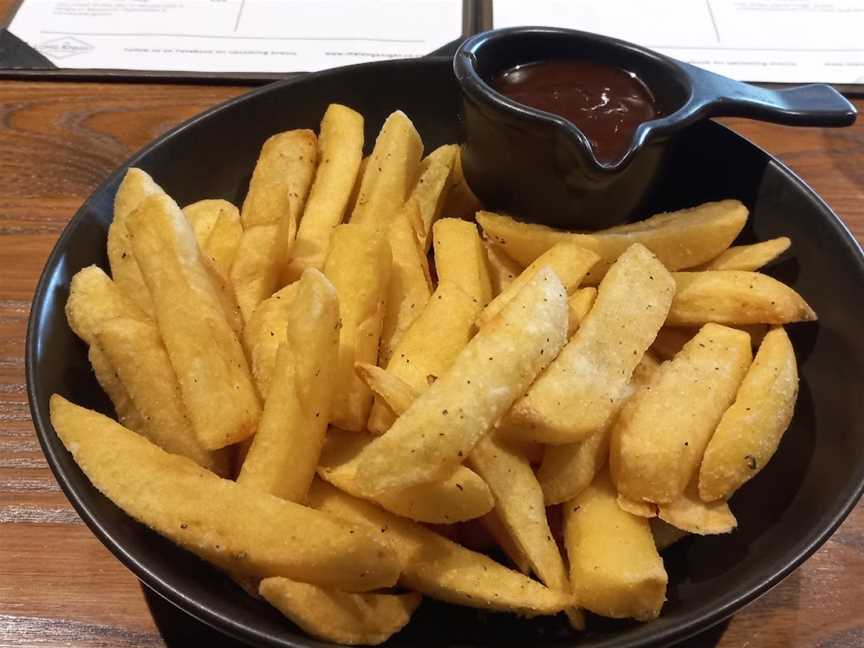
x=461 y=258
x=94 y=299
x=671 y=339
x=580 y=302
x=440 y=568
x=586 y=385
x=359 y=265
x=569 y=261
x=493 y=525
x=281 y=180
x=135 y=350
x=660 y=435
x=135 y=187
x=202 y=216
x=751 y=429
x=567 y=470
x=680 y=239
x=615 y=570
x=207 y=357
x=431 y=189
x=390 y=173
x=340 y=149
x=265 y=331
x=395 y=393
x=502 y=269
x=689 y=513
x=460 y=201
x=463 y=495
x=110 y=383
x=217 y=228
x=642 y=509
x=349 y=619
x=254 y=274
x=519 y=505
x=442 y=426
x=232 y=526
x=735 y=297
x=286 y=448
x=748 y=257
x=410 y=285
x=429 y=346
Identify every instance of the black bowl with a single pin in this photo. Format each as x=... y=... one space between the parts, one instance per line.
x=785 y=514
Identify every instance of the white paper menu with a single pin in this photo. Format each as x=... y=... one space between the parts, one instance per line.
x=233 y=35
x=783 y=41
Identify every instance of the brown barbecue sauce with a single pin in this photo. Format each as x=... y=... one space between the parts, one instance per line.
x=605 y=102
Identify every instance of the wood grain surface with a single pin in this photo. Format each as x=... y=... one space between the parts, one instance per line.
x=60 y=587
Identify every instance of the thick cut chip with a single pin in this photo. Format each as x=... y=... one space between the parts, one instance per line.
x=748 y=257
x=615 y=570
x=429 y=346
x=493 y=525
x=502 y=269
x=431 y=189
x=751 y=429
x=569 y=261
x=461 y=258
x=202 y=216
x=440 y=568
x=217 y=228
x=94 y=299
x=265 y=332
x=586 y=385
x=359 y=265
x=463 y=495
x=254 y=274
x=410 y=286
x=340 y=149
x=689 y=513
x=286 y=448
x=580 y=303
x=735 y=297
x=568 y=469
x=642 y=509
x=349 y=619
x=680 y=239
x=135 y=350
x=206 y=355
x=110 y=383
x=237 y=528
x=671 y=339
x=136 y=186
x=442 y=426
x=390 y=173
x=395 y=393
x=660 y=436
x=519 y=505
x=460 y=201
x=281 y=180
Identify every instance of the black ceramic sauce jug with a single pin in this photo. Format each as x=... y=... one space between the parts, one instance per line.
x=540 y=167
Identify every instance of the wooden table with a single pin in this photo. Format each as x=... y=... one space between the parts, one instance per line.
x=60 y=586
